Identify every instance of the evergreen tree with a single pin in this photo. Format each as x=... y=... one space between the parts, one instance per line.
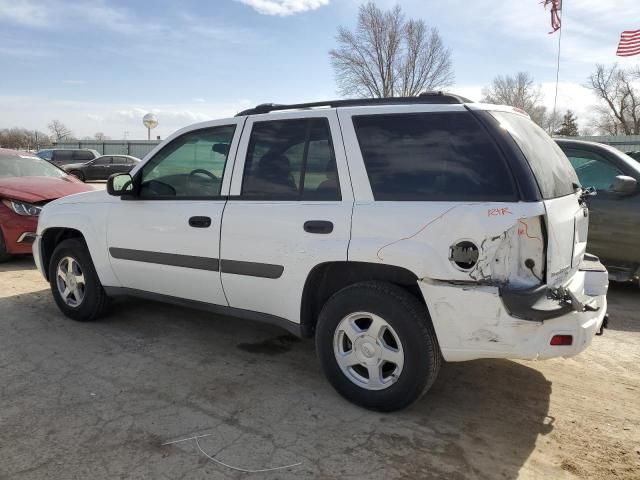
x=569 y=126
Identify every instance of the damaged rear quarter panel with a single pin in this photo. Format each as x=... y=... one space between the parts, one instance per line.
x=418 y=236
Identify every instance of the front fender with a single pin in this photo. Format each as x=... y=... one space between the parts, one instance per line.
x=92 y=227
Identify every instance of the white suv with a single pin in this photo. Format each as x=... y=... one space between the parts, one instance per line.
x=398 y=232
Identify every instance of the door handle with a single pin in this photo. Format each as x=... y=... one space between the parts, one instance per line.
x=318 y=226
x=200 y=222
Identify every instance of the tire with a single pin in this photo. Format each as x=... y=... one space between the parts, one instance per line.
x=78 y=174
x=92 y=299
x=4 y=256
x=408 y=332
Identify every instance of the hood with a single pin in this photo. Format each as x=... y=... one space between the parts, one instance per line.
x=39 y=189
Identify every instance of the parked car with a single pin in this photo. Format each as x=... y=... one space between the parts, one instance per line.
x=102 y=167
x=614 y=227
x=27 y=183
x=634 y=155
x=397 y=232
x=65 y=156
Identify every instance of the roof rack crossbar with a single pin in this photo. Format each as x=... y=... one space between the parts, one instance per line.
x=423 y=98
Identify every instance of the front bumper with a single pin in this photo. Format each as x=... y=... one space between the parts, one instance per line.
x=37 y=255
x=474 y=321
x=17 y=231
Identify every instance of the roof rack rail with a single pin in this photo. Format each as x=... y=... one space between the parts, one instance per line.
x=425 y=97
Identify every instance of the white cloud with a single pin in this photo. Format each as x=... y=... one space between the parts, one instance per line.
x=284 y=8
x=86 y=118
x=24 y=12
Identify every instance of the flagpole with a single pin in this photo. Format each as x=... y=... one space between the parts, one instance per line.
x=555 y=98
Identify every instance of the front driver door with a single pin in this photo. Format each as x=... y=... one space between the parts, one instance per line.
x=98 y=169
x=166 y=239
x=614 y=220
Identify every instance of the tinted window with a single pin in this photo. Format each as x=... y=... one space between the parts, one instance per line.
x=550 y=166
x=291 y=160
x=432 y=156
x=192 y=165
x=102 y=161
x=120 y=160
x=83 y=155
x=63 y=155
x=592 y=169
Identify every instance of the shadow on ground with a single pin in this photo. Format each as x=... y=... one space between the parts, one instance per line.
x=624 y=300
x=102 y=396
x=14 y=264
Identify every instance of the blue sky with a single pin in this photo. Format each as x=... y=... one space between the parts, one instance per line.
x=100 y=65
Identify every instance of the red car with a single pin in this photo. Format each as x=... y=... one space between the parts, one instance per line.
x=27 y=183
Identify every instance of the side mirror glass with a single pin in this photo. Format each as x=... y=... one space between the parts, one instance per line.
x=624 y=185
x=119 y=184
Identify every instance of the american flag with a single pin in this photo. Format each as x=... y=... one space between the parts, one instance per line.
x=629 y=43
x=556 y=7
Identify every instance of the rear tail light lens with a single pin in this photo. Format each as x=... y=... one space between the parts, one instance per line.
x=561 y=340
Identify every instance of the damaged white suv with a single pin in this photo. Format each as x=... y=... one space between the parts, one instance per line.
x=398 y=232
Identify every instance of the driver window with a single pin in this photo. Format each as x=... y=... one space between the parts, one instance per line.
x=592 y=169
x=191 y=166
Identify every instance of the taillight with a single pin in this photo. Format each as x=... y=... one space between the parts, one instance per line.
x=561 y=340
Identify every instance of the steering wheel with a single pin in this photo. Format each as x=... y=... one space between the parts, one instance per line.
x=205 y=172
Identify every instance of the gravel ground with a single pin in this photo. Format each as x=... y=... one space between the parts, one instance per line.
x=97 y=400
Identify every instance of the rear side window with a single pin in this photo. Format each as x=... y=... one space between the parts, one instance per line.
x=63 y=155
x=552 y=169
x=291 y=160
x=83 y=155
x=432 y=156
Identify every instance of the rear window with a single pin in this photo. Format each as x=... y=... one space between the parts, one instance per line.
x=552 y=169
x=432 y=156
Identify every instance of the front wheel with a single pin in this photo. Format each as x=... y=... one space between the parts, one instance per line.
x=74 y=282
x=78 y=174
x=377 y=345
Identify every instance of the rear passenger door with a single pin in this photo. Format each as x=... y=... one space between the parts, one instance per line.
x=120 y=165
x=289 y=210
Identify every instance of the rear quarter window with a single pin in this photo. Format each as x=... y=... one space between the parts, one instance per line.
x=551 y=167
x=432 y=156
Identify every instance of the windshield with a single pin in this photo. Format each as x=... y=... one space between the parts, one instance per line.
x=552 y=169
x=27 y=166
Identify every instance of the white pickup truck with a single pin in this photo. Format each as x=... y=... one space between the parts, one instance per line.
x=397 y=232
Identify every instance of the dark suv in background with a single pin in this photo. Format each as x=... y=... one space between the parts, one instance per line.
x=65 y=156
x=102 y=167
x=614 y=224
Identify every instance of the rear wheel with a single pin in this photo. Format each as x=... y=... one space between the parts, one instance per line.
x=74 y=282
x=78 y=174
x=377 y=345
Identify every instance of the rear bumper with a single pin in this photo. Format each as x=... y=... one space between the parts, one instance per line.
x=473 y=321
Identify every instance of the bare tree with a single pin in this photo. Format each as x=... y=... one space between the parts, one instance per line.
x=387 y=56
x=619 y=111
x=519 y=91
x=99 y=136
x=59 y=131
x=23 y=139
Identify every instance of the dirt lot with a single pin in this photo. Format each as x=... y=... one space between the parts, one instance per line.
x=98 y=400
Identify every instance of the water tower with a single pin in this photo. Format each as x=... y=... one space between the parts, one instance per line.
x=150 y=121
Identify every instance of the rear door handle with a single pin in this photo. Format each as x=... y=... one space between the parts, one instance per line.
x=200 y=222
x=318 y=226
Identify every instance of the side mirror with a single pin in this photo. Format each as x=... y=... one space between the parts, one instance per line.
x=624 y=185
x=119 y=183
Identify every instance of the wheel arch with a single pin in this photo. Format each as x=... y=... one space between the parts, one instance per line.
x=328 y=278
x=51 y=237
